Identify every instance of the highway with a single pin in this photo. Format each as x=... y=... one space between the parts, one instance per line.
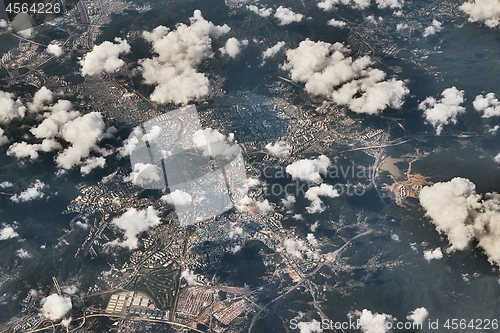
x=329 y=258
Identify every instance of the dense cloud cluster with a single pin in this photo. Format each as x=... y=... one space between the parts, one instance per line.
x=464 y=215
x=360 y=4
x=61 y=124
x=444 y=111
x=179 y=52
x=327 y=71
x=133 y=222
x=487 y=11
x=104 y=57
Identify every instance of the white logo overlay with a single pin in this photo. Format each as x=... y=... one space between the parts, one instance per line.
x=203 y=169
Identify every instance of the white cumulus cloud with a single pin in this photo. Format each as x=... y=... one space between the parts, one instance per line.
x=309 y=170
x=418 y=315
x=132 y=223
x=444 y=111
x=55 y=49
x=177 y=197
x=104 y=57
x=173 y=71
x=279 y=149
x=487 y=11
x=489 y=105
x=327 y=71
x=433 y=254
x=10 y=107
x=373 y=322
x=54 y=307
x=35 y=191
x=264 y=12
x=464 y=215
x=273 y=50
x=433 y=28
x=8 y=232
x=189 y=276
x=315 y=192
x=336 y=23
x=287 y=16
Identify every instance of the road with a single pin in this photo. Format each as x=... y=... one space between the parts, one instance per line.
x=329 y=258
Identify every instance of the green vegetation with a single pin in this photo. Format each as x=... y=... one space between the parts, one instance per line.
x=160 y=284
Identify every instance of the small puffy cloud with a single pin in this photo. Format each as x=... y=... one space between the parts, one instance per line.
x=55 y=49
x=70 y=290
x=82 y=225
x=279 y=149
x=288 y=201
x=294 y=247
x=393 y=4
x=7 y=232
x=233 y=47
x=264 y=12
x=463 y=215
x=313 y=195
x=214 y=144
x=373 y=322
x=497 y=158
x=23 y=149
x=54 y=307
x=153 y=134
x=104 y=57
x=273 y=50
x=444 y=111
x=287 y=16
x=23 y=254
x=143 y=174
x=336 y=23
x=433 y=254
x=91 y=163
x=132 y=223
x=177 y=197
x=312 y=240
x=83 y=133
x=264 y=206
x=3 y=138
x=313 y=326
x=130 y=144
x=10 y=107
x=489 y=105
x=35 y=191
x=309 y=170
x=189 y=276
x=6 y=184
x=432 y=29
x=401 y=26
x=252 y=182
x=327 y=71
x=487 y=11
x=418 y=315
x=236 y=249
x=173 y=72
x=42 y=96
x=3 y=23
